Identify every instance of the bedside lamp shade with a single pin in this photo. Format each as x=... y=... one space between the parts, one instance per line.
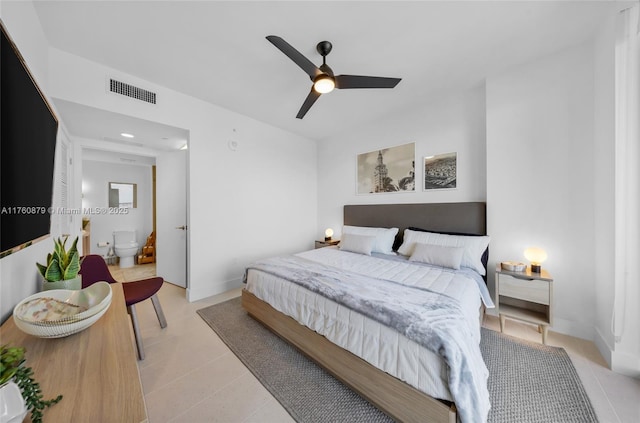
x=536 y=256
x=328 y=233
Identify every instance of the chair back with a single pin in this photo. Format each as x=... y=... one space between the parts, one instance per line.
x=94 y=269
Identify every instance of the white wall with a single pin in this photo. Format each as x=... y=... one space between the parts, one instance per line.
x=19 y=276
x=540 y=176
x=604 y=183
x=626 y=356
x=455 y=123
x=256 y=201
x=95 y=179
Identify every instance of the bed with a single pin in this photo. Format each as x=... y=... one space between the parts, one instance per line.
x=383 y=363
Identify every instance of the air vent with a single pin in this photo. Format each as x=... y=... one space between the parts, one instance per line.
x=132 y=91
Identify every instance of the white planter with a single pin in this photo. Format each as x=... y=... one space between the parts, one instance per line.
x=75 y=284
x=13 y=409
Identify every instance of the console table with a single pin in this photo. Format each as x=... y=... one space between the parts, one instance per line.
x=95 y=370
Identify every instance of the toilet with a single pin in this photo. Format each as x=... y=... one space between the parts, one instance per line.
x=126 y=247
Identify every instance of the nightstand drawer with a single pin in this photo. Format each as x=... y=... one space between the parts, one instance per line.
x=529 y=290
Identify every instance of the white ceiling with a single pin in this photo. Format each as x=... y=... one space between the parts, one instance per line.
x=217 y=51
x=102 y=125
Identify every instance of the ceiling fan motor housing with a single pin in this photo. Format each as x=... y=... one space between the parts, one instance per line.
x=326 y=69
x=324 y=48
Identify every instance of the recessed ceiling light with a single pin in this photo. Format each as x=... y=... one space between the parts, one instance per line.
x=124 y=134
x=184 y=147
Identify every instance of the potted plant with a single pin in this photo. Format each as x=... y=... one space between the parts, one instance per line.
x=19 y=392
x=61 y=270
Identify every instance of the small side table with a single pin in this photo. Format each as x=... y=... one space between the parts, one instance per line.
x=525 y=296
x=322 y=244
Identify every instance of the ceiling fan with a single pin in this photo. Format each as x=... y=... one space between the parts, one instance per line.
x=324 y=81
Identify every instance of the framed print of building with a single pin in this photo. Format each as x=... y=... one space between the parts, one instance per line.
x=387 y=170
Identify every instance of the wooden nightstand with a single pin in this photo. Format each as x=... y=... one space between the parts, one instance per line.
x=525 y=296
x=322 y=244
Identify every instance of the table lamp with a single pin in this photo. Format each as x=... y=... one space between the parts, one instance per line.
x=536 y=256
x=328 y=233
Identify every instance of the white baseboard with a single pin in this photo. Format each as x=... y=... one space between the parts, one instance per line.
x=213 y=289
x=603 y=346
x=625 y=363
x=564 y=326
x=569 y=327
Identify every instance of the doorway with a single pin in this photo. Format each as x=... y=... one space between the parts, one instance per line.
x=127 y=140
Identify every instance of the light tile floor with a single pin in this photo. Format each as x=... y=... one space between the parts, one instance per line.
x=189 y=374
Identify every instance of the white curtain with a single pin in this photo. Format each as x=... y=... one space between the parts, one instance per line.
x=626 y=318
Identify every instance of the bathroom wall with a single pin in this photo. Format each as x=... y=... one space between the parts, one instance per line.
x=95 y=182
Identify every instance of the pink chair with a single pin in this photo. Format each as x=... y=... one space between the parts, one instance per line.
x=94 y=269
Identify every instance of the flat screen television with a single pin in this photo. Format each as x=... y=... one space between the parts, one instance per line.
x=28 y=130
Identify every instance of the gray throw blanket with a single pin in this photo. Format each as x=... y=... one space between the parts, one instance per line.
x=431 y=319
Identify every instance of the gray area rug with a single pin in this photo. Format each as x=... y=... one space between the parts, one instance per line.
x=528 y=382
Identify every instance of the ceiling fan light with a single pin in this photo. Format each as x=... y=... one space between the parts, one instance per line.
x=324 y=84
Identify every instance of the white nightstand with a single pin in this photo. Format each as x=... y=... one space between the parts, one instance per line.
x=525 y=296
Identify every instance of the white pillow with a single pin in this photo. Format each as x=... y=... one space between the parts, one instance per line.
x=361 y=244
x=384 y=236
x=474 y=246
x=450 y=257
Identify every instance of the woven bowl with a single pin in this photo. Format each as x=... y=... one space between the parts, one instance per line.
x=58 y=331
x=512 y=266
x=93 y=302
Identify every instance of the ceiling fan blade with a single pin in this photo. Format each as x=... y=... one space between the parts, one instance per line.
x=293 y=54
x=356 y=81
x=308 y=102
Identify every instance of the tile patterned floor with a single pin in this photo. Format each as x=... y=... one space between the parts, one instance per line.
x=189 y=374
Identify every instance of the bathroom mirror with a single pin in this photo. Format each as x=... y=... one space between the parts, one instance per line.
x=123 y=195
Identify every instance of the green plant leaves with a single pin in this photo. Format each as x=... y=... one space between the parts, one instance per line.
x=42 y=268
x=32 y=393
x=73 y=267
x=53 y=272
x=10 y=359
x=61 y=264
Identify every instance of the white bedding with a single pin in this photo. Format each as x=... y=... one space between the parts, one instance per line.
x=377 y=344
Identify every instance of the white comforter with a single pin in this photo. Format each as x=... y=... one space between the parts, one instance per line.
x=379 y=345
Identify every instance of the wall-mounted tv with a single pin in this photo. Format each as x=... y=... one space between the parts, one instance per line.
x=28 y=130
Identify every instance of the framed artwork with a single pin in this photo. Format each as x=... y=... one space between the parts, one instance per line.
x=387 y=170
x=441 y=171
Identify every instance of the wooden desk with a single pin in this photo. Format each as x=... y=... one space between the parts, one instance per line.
x=95 y=370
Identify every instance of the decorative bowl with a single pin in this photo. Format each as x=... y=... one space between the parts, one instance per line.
x=61 y=312
x=513 y=266
x=12 y=406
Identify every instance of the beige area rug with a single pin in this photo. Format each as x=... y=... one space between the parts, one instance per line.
x=528 y=382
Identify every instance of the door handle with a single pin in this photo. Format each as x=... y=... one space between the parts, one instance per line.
x=183 y=227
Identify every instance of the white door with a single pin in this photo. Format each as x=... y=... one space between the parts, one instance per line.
x=171 y=217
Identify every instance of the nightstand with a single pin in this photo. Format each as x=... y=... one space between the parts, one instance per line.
x=322 y=244
x=525 y=296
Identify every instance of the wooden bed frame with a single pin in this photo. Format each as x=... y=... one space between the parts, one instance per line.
x=397 y=399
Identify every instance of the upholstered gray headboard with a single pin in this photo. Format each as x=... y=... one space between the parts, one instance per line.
x=468 y=218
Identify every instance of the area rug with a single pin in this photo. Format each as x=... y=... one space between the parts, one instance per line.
x=528 y=382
